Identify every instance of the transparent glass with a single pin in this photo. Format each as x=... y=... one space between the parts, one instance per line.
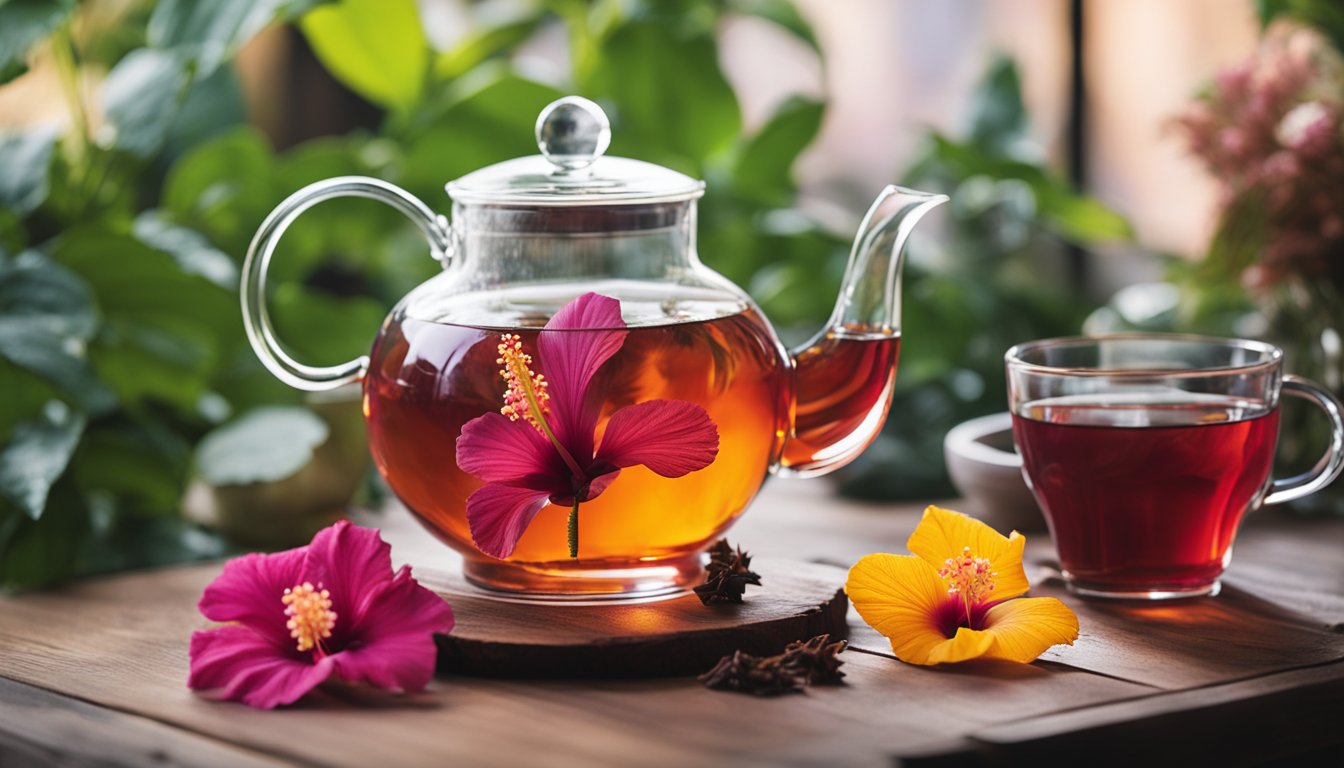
x=692 y=336
x=1145 y=451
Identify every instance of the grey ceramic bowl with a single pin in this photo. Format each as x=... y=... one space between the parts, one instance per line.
x=988 y=472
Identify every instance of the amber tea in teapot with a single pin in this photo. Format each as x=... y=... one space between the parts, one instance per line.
x=576 y=403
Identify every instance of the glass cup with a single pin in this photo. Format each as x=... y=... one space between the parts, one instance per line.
x=1145 y=451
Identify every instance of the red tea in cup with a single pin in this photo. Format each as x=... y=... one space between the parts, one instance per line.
x=1146 y=497
x=1145 y=451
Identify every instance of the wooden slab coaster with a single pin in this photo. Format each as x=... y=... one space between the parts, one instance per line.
x=678 y=636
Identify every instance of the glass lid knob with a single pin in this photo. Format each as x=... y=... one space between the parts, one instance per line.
x=573 y=132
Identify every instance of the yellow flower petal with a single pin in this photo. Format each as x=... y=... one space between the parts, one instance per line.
x=1023 y=629
x=942 y=533
x=968 y=644
x=898 y=595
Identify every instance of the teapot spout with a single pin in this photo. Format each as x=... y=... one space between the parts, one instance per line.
x=870 y=294
x=843 y=377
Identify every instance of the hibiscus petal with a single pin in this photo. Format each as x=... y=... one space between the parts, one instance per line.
x=670 y=437
x=249 y=589
x=237 y=664
x=942 y=534
x=967 y=644
x=1024 y=628
x=501 y=451
x=499 y=514
x=571 y=356
x=393 y=640
x=349 y=561
x=900 y=596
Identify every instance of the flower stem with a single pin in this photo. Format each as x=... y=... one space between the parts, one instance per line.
x=67 y=70
x=574 y=530
x=63 y=54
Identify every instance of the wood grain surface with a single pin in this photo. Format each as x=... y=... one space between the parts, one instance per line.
x=107 y=659
x=679 y=636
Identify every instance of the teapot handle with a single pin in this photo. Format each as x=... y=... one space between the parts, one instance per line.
x=255 y=317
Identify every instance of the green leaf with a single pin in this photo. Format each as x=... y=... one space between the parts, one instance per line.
x=25 y=158
x=213 y=106
x=37 y=454
x=23 y=24
x=152 y=543
x=800 y=277
x=672 y=104
x=481 y=123
x=376 y=47
x=25 y=395
x=142 y=467
x=491 y=40
x=46 y=316
x=37 y=553
x=781 y=12
x=193 y=253
x=998 y=116
x=1073 y=217
x=1081 y=219
x=164 y=328
x=166 y=359
x=34 y=290
x=13 y=235
x=134 y=282
x=324 y=330
x=141 y=97
x=763 y=170
x=245 y=383
x=347 y=232
x=266 y=444
x=208 y=32
x=224 y=188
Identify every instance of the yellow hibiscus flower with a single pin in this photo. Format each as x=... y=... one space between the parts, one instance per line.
x=953 y=600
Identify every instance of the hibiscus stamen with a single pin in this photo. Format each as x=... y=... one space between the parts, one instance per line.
x=310 y=616
x=969 y=577
x=526 y=397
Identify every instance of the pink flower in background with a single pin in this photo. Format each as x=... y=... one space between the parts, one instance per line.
x=298 y=618
x=541 y=446
x=1271 y=131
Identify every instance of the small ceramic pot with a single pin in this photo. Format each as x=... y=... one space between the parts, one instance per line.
x=988 y=472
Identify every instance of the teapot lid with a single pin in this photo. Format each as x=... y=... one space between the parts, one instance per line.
x=572 y=133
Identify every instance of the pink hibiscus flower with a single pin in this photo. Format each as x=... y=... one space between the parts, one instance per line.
x=299 y=617
x=541 y=446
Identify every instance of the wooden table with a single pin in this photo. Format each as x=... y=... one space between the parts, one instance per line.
x=95 y=673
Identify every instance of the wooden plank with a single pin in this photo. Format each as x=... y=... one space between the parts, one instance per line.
x=1170 y=644
x=1283 y=595
x=679 y=636
x=1273 y=719
x=38 y=727
x=122 y=643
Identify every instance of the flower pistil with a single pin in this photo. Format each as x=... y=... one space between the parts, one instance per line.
x=311 y=618
x=969 y=577
x=526 y=397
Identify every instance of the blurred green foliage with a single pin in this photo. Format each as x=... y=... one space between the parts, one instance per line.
x=121 y=345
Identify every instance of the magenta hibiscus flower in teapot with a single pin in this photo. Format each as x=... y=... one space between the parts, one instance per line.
x=576 y=403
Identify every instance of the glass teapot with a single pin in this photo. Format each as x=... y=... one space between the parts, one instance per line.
x=576 y=403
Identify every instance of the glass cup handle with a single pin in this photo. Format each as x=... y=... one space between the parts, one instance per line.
x=1329 y=466
x=255 y=317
